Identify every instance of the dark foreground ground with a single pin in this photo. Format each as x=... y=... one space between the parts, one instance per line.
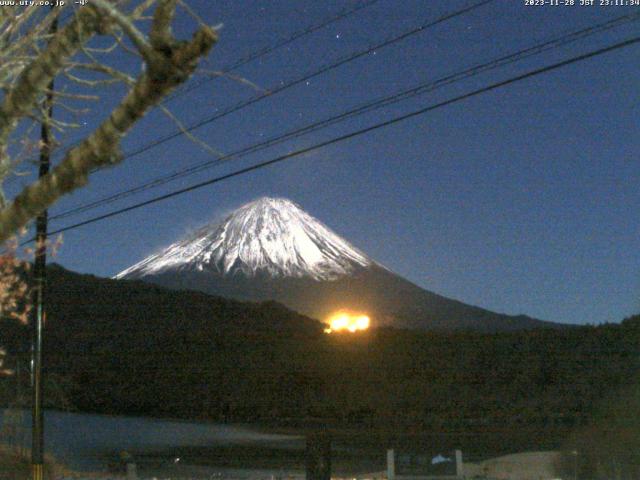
x=95 y=443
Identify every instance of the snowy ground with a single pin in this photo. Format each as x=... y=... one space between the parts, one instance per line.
x=518 y=466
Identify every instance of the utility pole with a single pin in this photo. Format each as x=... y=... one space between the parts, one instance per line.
x=39 y=274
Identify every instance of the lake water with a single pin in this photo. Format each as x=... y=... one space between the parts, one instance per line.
x=92 y=442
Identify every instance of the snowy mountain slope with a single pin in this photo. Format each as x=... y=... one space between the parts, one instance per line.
x=270 y=249
x=270 y=235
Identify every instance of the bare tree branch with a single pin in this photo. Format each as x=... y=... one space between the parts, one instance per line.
x=36 y=76
x=127 y=26
x=169 y=63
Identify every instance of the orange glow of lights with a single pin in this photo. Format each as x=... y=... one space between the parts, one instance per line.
x=346 y=321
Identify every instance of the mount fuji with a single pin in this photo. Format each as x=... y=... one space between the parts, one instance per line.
x=270 y=249
x=268 y=236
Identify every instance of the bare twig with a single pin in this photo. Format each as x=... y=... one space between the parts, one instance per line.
x=169 y=63
x=183 y=129
x=35 y=77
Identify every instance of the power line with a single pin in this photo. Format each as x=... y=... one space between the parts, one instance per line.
x=355 y=133
x=363 y=108
x=299 y=80
x=332 y=66
x=282 y=43
x=345 y=13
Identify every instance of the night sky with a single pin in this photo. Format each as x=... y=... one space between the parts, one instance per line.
x=520 y=200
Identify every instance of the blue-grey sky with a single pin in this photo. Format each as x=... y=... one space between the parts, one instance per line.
x=521 y=200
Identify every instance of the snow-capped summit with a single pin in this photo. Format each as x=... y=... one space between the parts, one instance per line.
x=270 y=249
x=267 y=236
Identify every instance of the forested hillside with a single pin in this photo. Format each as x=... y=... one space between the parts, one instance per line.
x=128 y=347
